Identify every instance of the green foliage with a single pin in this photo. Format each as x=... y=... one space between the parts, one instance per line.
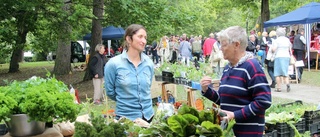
x=188 y=122
x=84 y=130
x=6 y=105
x=206 y=115
x=100 y=128
x=227 y=132
x=178 y=125
x=209 y=129
x=42 y=99
x=184 y=109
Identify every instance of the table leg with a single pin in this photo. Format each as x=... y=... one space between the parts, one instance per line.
x=317 y=61
x=164 y=96
x=190 y=98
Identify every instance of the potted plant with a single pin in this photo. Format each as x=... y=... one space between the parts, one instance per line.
x=37 y=99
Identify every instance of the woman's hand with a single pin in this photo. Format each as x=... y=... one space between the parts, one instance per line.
x=205 y=82
x=230 y=115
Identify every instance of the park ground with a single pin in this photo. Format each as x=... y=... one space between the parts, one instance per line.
x=308 y=90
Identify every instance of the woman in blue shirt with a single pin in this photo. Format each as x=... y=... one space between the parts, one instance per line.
x=128 y=77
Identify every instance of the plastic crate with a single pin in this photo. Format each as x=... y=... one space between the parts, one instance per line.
x=284 y=130
x=297 y=102
x=177 y=80
x=273 y=133
x=300 y=125
x=168 y=79
x=311 y=117
x=167 y=74
x=315 y=129
x=270 y=127
x=3 y=129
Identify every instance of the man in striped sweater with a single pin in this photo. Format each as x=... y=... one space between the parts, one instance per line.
x=244 y=92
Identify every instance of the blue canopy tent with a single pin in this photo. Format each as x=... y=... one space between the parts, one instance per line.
x=306 y=15
x=109 y=33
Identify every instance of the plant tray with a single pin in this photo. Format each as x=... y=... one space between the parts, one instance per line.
x=314 y=129
x=273 y=133
x=168 y=79
x=311 y=117
x=177 y=80
x=167 y=74
x=297 y=102
x=284 y=130
x=158 y=77
x=300 y=125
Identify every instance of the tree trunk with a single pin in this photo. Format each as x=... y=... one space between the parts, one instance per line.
x=62 y=64
x=96 y=36
x=17 y=53
x=14 y=62
x=265 y=13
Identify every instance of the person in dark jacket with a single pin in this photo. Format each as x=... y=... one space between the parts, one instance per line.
x=252 y=44
x=154 y=51
x=96 y=66
x=299 y=46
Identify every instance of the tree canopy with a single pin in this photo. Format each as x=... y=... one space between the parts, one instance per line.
x=39 y=25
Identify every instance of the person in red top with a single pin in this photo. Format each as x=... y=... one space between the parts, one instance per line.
x=207 y=46
x=291 y=36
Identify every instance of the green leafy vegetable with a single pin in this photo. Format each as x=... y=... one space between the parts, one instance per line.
x=178 y=124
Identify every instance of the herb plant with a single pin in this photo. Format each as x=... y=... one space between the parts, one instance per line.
x=42 y=99
x=6 y=105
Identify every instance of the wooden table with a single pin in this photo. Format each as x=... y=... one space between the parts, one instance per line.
x=190 y=95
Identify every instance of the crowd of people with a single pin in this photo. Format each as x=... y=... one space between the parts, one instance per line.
x=187 y=50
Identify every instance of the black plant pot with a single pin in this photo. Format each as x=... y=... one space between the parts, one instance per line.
x=189 y=83
x=177 y=80
x=167 y=74
x=184 y=81
x=168 y=79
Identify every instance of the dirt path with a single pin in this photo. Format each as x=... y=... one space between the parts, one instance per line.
x=306 y=93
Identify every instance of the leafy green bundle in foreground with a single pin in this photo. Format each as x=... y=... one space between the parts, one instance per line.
x=41 y=99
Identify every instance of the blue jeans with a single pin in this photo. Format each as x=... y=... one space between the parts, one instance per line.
x=263 y=58
x=155 y=56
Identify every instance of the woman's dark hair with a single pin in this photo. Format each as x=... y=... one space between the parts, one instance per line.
x=130 y=31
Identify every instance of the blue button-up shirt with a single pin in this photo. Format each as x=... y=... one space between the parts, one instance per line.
x=130 y=86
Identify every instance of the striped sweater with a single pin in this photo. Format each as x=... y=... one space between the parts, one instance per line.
x=244 y=90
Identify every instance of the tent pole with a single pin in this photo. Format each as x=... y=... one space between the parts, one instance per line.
x=307 y=34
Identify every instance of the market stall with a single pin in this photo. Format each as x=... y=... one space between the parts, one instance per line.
x=307 y=15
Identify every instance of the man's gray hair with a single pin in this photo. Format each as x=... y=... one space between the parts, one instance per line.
x=235 y=34
x=301 y=30
x=98 y=47
x=281 y=32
